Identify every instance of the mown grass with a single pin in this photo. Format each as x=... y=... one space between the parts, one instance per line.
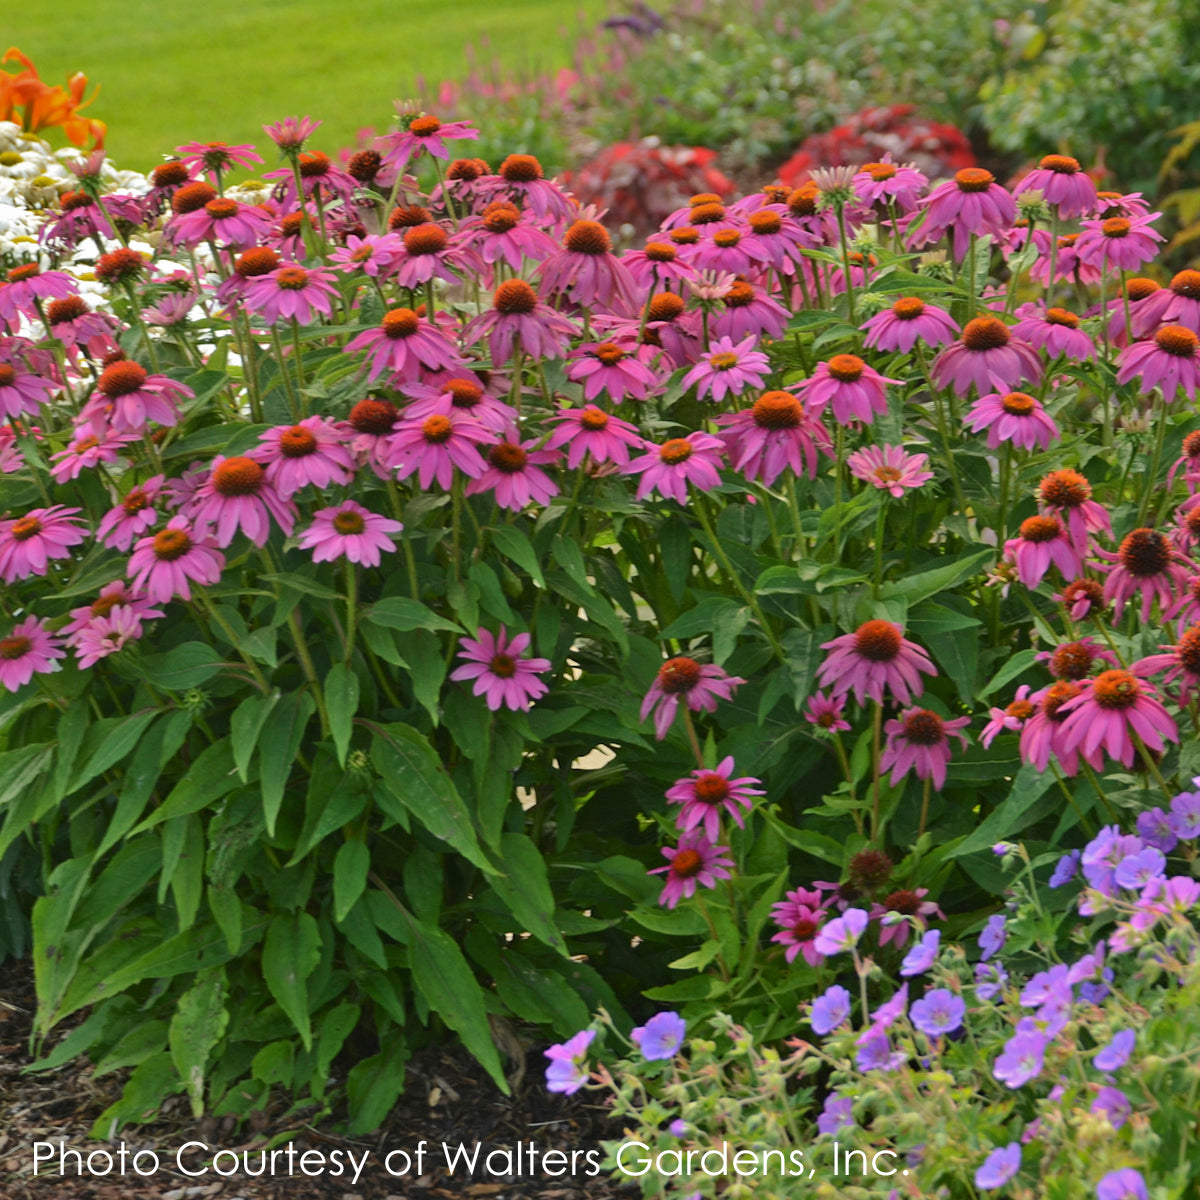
x=174 y=71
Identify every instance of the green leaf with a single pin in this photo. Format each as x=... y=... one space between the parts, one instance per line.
x=148 y=1086
x=427 y=670
x=108 y=742
x=525 y=888
x=281 y=737
x=245 y=725
x=336 y=1026
x=374 y=1085
x=923 y=584
x=710 y=613
x=19 y=769
x=1018 y=664
x=513 y=544
x=927 y=619
x=198 y=1025
x=70 y=729
x=301 y=583
x=443 y=977
x=341 y=703
x=350 y=867
x=399 y=612
x=1012 y=815
x=209 y=778
x=957 y=653
x=414 y=777
x=274 y=1063
x=290 y=955
x=186 y=666
x=695 y=987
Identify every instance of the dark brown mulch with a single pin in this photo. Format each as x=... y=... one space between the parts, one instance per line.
x=448 y=1099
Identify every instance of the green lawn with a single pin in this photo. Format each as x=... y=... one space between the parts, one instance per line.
x=175 y=70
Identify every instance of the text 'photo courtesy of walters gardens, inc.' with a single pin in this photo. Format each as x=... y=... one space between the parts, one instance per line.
x=197 y=1160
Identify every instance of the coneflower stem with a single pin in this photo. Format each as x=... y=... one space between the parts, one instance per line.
x=876 y=737
x=841 y=220
x=924 y=807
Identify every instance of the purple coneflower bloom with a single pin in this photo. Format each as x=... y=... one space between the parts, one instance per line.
x=165 y=564
x=587 y=272
x=375 y=254
x=429 y=252
x=1108 y=711
x=78 y=327
x=827 y=713
x=291 y=292
x=502 y=676
x=987 y=356
x=291 y=133
x=405 y=345
x=1057 y=332
x=909 y=318
x=590 y=430
x=608 y=367
x=704 y=793
x=238 y=495
x=28 y=543
x=920 y=741
x=85 y=452
x=875 y=657
x=1119 y=242
x=696 y=860
x=22 y=389
x=669 y=468
x=349 y=530
x=1177 y=304
x=221 y=220
x=435 y=445
x=1017 y=417
x=1041 y=543
x=29 y=650
x=467 y=398
x=889 y=468
x=132 y=518
x=970 y=203
x=423 y=134
x=1146 y=562
x=1065 y=493
x=701 y=688
x=1170 y=360
x=1010 y=719
x=502 y=233
x=296 y=455
x=217 y=157
x=1182 y=664
x=106 y=634
x=1075 y=660
x=126 y=399
x=880 y=184
x=777 y=432
x=518 y=317
x=520 y=178
x=26 y=286
x=1063 y=184
x=748 y=310
x=514 y=473
x=728 y=369
x=800 y=916
x=855 y=391
x=656 y=263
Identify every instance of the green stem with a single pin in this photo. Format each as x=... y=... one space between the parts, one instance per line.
x=351 y=609
x=841 y=220
x=281 y=366
x=299 y=367
x=876 y=737
x=234 y=641
x=880 y=521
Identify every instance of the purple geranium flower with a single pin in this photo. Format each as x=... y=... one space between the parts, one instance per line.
x=838 y=1115
x=923 y=955
x=566 y=1072
x=842 y=933
x=830 y=1010
x=660 y=1037
x=938 y=1013
x=1023 y=1055
x=993 y=937
x=1126 y=1184
x=999 y=1167
x=1116 y=1053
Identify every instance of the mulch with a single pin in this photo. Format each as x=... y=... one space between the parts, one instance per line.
x=447 y=1099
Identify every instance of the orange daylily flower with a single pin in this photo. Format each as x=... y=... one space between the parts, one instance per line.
x=35 y=105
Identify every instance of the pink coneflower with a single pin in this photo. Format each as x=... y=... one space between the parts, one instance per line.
x=987 y=356
x=970 y=203
x=776 y=240
x=1067 y=494
x=1178 y=304
x=375 y=254
x=920 y=741
x=85 y=452
x=22 y=389
x=291 y=133
x=127 y=398
x=1081 y=598
x=1010 y=719
x=827 y=713
x=1181 y=664
x=436 y=444
x=26 y=286
x=166 y=564
x=587 y=272
x=728 y=369
x=217 y=157
x=172 y=309
x=1056 y=331
x=106 y=634
x=590 y=430
x=517 y=316
x=1041 y=735
x=238 y=495
x=669 y=468
x=428 y=252
x=132 y=518
x=1124 y=243
x=855 y=391
x=513 y=473
x=1146 y=562
x=777 y=432
x=800 y=917
x=1075 y=660
x=1016 y=417
x=722 y=249
x=1068 y=266
x=888 y=467
x=221 y=220
x=78 y=327
x=11 y=458
x=28 y=543
x=250 y=264
x=696 y=860
x=608 y=367
x=520 y=178
x=296 y=455
x=502 y=676
x=658 y=262
x=748 y=310
x=1108 y=712
x=368 y=433
x=700 y=686
x=321 y=181
x=704 y=793
x=878 y=185
x=291 y=292
x=405 y=345
x=117 y=593
x=468 y=398
x=1186 y=534
x=908 y=902
x=30 y=649
x=503 y=233
x=424 y=134
x=1063 y=184
x=1170 y=360
x=910 y=318
x=348 y=530
x=875 y=657
x=1041 y=543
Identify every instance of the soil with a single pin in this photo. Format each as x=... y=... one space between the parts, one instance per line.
x=448 y=1099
